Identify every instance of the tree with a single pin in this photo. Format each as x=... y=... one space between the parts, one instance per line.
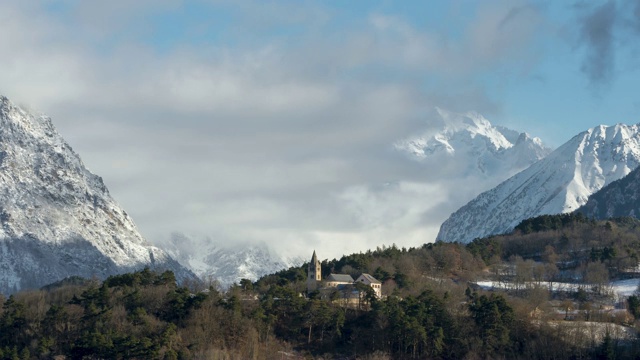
x=246 y=284
x=597 y=274
x=550 y=273
x=318 y=314
x=633 y=302
x=13 y=323
x=606 y=351
x=366 y=295
x=550 y=255
x=567 y=305
x=493 y=316
x=524 y=272
x=381 y=274
x=537 y=296
x=55 y=325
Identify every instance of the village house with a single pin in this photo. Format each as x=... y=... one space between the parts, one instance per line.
x=375 y=284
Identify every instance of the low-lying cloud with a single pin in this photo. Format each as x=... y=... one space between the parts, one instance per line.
x=291 y=144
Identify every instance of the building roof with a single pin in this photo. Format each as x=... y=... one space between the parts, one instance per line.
x=340 y=278
x=370 y=279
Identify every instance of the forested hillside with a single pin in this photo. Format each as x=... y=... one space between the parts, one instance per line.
x=144 y=316
x=431 y=308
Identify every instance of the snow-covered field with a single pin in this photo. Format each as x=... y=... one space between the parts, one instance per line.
x=586 y=333
x=620 y=288
x=625 y=287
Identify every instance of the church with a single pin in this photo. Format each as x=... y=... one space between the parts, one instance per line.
x=340 y=282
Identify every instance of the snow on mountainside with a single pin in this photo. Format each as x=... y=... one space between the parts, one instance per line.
x=57 y=218
x=477 y=146
x=227 y=265
x=559 y=183
x=618 y=199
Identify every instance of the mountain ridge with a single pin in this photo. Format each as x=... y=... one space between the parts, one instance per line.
x=559 y=183
x=618 y=199
x=471 y=139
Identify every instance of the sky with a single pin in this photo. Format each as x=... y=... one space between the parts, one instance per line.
x=274 y=121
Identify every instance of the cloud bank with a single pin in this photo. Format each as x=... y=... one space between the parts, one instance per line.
x=275 y=128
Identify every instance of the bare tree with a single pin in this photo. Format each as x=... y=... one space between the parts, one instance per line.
x=550 y=273
x=596 y=273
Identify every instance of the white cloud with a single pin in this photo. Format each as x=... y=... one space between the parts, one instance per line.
x=276 y=142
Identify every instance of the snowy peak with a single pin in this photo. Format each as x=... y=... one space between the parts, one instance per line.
x=482 y=148
x=602 y=155
x=458 y=131
x=474 y=126
x=50 y=178
x=57 y=218
x=561 y=182
x=17 y=120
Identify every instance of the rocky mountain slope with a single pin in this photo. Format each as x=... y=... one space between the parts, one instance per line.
x=559 y=183
x=227 y=265
x=618 y=199
x=479 y=148
x=57 y=218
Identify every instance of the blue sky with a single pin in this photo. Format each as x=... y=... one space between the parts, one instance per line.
x=255 y=120
x=544 y=92
x=532 y=80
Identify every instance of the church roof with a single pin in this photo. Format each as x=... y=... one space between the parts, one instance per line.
x=340 y=278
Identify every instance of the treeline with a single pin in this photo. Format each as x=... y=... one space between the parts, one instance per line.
x=144 y=315
x=431 y=309
x=551 y=222
x=403 y=271
x=572 y=243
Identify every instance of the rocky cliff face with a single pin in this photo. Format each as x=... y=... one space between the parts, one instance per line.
x=57 y=218
x=559 y=183
x=618 y=199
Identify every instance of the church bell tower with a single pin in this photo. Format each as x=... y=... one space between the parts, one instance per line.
x=314 y=273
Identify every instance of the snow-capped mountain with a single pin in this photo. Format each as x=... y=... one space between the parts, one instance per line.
x=57 y=218
x=618 y=199
x=227 y=265
x=559 y=183
x=479 y=148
